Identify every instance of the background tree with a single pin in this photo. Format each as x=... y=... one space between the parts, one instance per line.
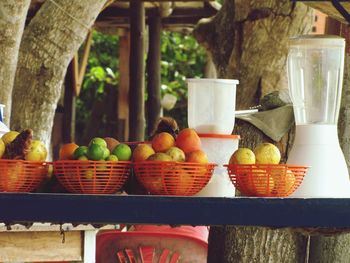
x=12 y=18
x=240 y=39
x=48 y=45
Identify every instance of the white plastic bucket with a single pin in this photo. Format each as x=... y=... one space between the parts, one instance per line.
x=219 y=148
x=211 y=105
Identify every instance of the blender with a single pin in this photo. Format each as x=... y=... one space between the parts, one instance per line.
x=315 y=76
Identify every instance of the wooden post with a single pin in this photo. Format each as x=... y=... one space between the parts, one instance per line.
x=123 y=91
x=153 y=73
x=68 y=128
x=137 y=64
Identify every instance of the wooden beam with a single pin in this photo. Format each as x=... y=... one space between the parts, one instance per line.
x=123 y=90
x=153 y=74
x=327 y=7
x=83 y=64
x=68 y=127
x=75 y=73
x=137 y=65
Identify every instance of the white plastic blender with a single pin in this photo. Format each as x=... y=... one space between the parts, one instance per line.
x=315 y=75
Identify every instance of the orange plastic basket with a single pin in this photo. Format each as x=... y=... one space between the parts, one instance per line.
x=173 y=178
x=21 y=176
x=92 y=177
x=266 y=180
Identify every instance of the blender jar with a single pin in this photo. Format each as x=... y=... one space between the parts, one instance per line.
x=315 y=71
x=211 y=105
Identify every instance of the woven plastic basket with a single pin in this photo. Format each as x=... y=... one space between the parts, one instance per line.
x=92 y=177
x=173 y=178
x=21 y=176
x=266 y=180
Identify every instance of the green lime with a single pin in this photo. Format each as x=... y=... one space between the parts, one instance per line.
x=99 y=141
x=89 y=174
x=83 y=158
x=101 y=167
x=80 y=151
x=106 y=153
x=122 y=151
x=95 y=152
x=112 y=157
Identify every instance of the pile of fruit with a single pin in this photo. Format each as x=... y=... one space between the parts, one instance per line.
x=258 y=172
x=21 y=146
x=172 y=165
x=22 y=164
x=98 y=149
x=185 y=147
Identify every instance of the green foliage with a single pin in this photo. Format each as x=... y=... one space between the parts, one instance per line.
x=182 y=58
x=102 y=73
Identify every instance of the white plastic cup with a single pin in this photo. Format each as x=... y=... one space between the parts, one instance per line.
x=219 y=148
x=211 y=105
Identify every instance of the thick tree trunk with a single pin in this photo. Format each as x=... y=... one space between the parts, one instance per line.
x=12 y=18
x=48 y=45
x=248 y=41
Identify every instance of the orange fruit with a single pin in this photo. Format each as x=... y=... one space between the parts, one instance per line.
x=67 y=151
x=198 y=156
x=162 y=142
x=188 y=140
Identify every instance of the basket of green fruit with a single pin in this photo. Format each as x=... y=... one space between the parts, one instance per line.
x=101 y=167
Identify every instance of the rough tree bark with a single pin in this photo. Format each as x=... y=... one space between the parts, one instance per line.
x=48 y=45
x=12 y=19
x=248 y=41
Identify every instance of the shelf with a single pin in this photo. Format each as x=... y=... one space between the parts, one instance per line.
x=337 y=9
x=114 y=209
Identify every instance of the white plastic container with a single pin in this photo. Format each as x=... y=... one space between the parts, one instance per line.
x=211 y=105
x=219 y=148
x=3 y=127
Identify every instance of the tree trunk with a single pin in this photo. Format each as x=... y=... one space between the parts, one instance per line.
x=248 y=41
x=336 y=248
x=48 y=45
x=12 y=18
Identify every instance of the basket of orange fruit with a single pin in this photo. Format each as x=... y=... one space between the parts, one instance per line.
x=172 y=165
x=102 y=167
x=259 y=173
x=22 y=162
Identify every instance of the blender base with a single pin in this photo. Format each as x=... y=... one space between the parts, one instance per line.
x=317 y=146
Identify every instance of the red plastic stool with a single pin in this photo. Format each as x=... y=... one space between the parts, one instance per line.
x=150 y=247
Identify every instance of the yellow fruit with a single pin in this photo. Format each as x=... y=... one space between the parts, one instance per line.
x=9 y=137
x=283 y=182
x=37 y=151
x=263 y=182
x=267 y=153
x=242 y=156
x=2 y=148
x=142 y=152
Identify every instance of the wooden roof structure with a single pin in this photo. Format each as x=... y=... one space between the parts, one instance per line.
x=176 y=15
